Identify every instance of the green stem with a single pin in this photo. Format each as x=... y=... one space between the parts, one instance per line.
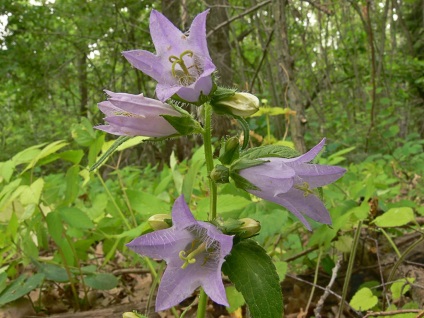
x=207 y=141
x=201 y=308
x=350 y=267
x=268 y=127
x=391 y=242
x=124 y=219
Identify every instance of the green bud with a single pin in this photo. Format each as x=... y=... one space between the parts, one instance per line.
x=230 y=151
x=220 y=174
x=160 y=221
x=249 y=228
x=239 y=104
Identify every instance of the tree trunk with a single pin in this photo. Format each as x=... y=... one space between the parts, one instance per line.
x=292 y=96
x=220 y=52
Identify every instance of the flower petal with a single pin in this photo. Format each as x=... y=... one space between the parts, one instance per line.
x=310 y=155
x=181 y=214
x=197 y=34
x=140 y=126
x=318 y=175
x=164 y=244
x=165 y=35
x=147 y=62
x=271 y=177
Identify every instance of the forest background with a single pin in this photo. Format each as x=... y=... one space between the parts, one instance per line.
x=350 y=71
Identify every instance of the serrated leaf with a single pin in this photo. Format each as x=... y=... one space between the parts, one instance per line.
x=103 y=281
x=252 y=272
x=395 y=217
x=20 y=287
x=269 y=151
x=363 y=300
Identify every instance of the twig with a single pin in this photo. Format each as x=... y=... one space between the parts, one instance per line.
x=223 y=24
x=321 y=301
x=262 y=60
x=303 y=253
x=320 y=7
x=420 y=312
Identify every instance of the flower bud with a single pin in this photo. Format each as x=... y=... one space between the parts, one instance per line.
x=230 y=151
x=220 y=174
x=160 y=221
x=249 y=228
x=239 y=104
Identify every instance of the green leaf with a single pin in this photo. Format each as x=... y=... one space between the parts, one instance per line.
x=84 y=133
x=31 y=194
x=344 y=243
x=254 y=275
x=395 y=217
x=6 y=170
x=401 y=287
x=185 y=125
x=363 y=300
x=103 y=281
x=235 y=299
x=72 y=185
x=147 y=204
x=52 y=272
x=226 y=203
x=190 y=178
x=54 y=226
x=269 y=151
x=282 y=268
x=73 y=156
x=27 y=155
x=20 y=287
x=48 y=150
x=75 y=218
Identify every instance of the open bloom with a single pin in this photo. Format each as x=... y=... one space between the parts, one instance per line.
x=182 y=64
x=290 y=183
x=136 y=115
x=194 y=252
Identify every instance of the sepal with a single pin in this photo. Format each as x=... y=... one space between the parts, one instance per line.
x=230 y=151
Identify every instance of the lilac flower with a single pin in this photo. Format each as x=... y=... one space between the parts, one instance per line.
x=136 y=115
x=182 y=64
x=194 y=252
x=290 y=183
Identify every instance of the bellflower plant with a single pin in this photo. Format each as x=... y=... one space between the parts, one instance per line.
x=290 y=182
x=182 y=64
x=136 y=115
x=194 y=252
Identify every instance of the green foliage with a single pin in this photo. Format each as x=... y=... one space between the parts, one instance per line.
x=255 y=277
x=363 y=300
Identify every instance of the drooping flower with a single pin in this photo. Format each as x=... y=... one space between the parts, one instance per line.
x=182 y=64
x=291 y=183
x=136 y=115
x=194 y=252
